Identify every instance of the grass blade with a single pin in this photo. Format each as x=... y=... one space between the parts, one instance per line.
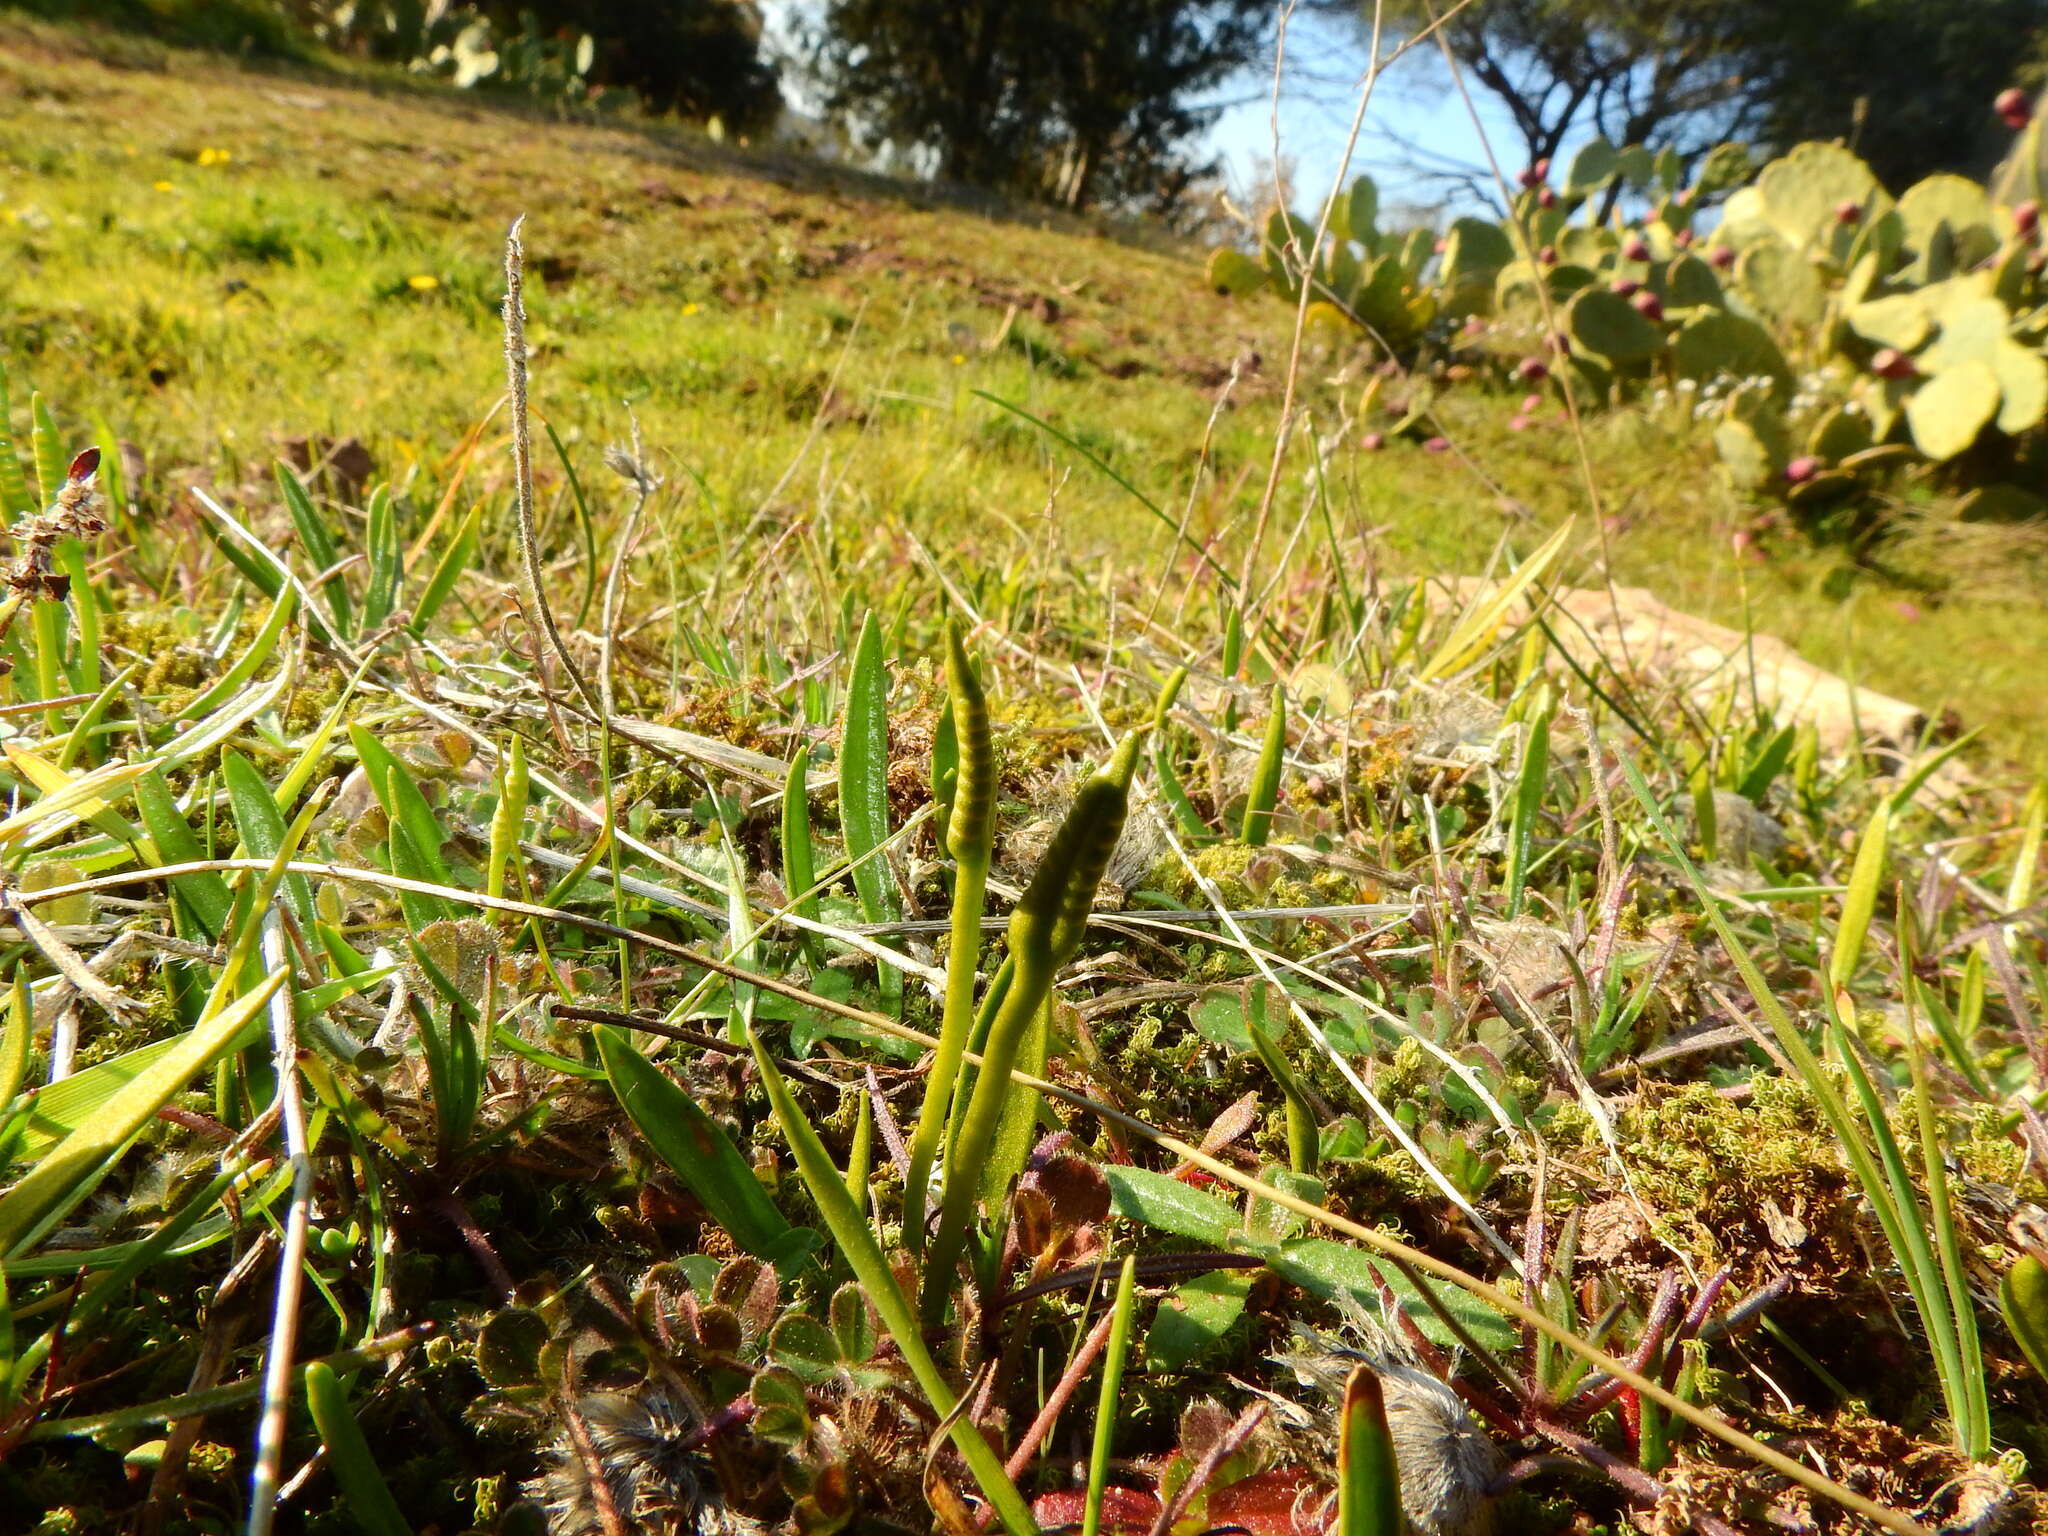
x=1528 y=804
x=1859 y=904
x=262 y=825
x=455 y=559
x=864 y=785
x=1113 y=1355
x=318 y=543
x=387 y=561
x=16 y=499
x=1473 y=633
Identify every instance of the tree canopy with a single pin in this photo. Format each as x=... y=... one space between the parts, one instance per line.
x=700 y=58
x=1907 y=84
x=1084 y=102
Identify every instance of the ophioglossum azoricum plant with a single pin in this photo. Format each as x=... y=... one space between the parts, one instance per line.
x=1045 y=931
x=969 y=834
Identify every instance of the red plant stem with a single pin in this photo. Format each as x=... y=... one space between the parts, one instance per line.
x=1695 y=1319
x=1063 y=1390
x=1663 y=1311
x=1634 y=1481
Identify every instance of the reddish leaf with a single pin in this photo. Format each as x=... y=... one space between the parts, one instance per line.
x=1283 y=1502
x=86 y=465
x=1125 y=1511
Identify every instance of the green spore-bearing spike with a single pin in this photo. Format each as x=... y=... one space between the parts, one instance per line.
x=969 y=831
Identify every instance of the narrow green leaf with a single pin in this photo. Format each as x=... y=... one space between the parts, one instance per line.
x=203 y=897
x=16 y=499
x=1528 y=805
x=2019 y=886
x=1368 y=1476
x=1970 y=1408
x=319 y=546
x=48 y=450
x=1167 y=778
x=15 y=1038
x=68 y=1172
x=387 y=560
x=366 y=1497
x=247 y=664
x=1861 y=901
x=870 y=1266
x=455 y=559
x=403 y=801
x=698 y=1152
x=1476 y=627
x=864 y=774
x=1265 y=790
x=1106 y=1417
x=799 y=867
x=262 y=825
x=1769 y=763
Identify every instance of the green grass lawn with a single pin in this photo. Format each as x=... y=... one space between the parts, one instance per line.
x=211 y=262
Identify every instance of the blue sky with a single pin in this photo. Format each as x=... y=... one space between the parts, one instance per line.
x=1414 y=104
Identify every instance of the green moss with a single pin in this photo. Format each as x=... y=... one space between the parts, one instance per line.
x=1727 y=1181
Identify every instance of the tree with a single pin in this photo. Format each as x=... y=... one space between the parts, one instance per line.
x=1906 y=83
x=1668 y=71
x=700 y=58
x=1077 y=101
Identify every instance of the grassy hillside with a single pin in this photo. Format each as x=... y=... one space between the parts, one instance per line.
x=662 y=993
x=212 y=262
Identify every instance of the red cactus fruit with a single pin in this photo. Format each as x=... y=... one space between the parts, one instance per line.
x=1802 y=469
x=2014 y=107
x=1636 y=248
x=1373 y=442
x=1722 y=256
x=1530 y=369
x=1891 y=363
x=1648 y=305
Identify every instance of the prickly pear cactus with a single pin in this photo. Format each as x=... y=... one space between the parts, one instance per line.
x=1605 y=325
x=1846 y=333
